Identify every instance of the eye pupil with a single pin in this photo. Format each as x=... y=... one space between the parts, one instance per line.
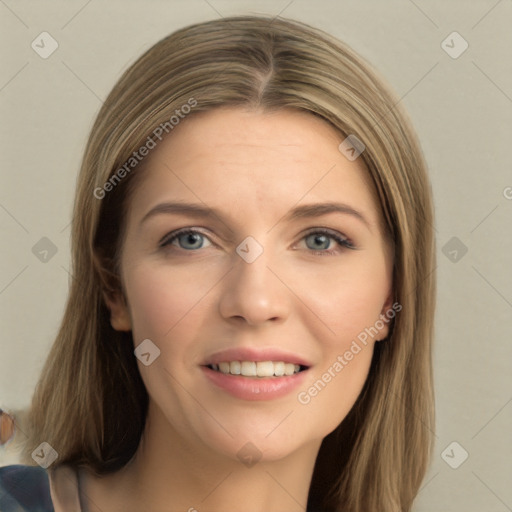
x=191 y=241
x=317 y=241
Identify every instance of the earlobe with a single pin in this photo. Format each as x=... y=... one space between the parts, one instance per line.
x=119 y=315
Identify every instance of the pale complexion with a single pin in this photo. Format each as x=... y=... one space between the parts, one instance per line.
x=309 y=296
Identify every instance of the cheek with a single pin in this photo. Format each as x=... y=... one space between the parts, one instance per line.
x=347 y=347
x=167 y=306
x=344 y=302
x=333 y=389
x=159 y=298
x=347 y=305
x=354 y=315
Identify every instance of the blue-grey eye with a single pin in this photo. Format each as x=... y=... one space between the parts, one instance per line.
x=190 y=241
x=187 y=240
x=318 y=241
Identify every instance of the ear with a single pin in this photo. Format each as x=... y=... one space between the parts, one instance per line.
x=388 y=303
x=386 y=315
x=119 y=315
x=112 y=294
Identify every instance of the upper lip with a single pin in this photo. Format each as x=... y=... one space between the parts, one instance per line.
x=255 y=354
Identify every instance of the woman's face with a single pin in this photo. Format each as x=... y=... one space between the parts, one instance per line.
x=252 y=241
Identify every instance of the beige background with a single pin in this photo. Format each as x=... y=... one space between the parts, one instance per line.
x=462 y=110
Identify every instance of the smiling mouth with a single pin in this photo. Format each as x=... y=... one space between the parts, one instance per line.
x=259 y=369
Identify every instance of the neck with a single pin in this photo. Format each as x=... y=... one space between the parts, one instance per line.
x=192 y=477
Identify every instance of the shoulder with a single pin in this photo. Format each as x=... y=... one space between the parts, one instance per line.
x=24 y=489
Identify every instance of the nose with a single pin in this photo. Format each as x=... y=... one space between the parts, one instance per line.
x=253 y=294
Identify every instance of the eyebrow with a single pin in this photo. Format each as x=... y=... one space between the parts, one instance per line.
x=299 y=212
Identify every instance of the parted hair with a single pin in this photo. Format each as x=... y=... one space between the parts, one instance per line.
x=90 y=403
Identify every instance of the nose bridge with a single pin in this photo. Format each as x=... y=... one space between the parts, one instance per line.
x=253 y=291
x=254 y=272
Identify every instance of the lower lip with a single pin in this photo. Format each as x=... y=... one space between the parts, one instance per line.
x=255 y=388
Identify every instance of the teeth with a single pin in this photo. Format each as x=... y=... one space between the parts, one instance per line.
x=235 y=367
x=265 y=369
x=279 y=369
x=248 y=368
x=224 y=367
x=256 y=369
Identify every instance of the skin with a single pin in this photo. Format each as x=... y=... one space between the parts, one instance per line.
x=254 y=167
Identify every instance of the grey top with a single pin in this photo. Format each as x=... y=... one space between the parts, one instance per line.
x=34 y=489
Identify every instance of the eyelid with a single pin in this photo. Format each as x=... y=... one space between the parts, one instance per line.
x=340 y=239
x=169 y=237
x=321 y=229
x=344 y=241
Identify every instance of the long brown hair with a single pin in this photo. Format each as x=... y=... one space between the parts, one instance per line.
x=90 y=403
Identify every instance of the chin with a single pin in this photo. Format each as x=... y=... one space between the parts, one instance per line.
x=262 y=442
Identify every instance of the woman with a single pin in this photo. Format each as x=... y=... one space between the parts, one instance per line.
x=251 y=314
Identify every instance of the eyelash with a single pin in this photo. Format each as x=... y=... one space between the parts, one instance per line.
x=342 y=241
x=339 y=239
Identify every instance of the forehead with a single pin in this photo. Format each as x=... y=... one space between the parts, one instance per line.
x=254 y=161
